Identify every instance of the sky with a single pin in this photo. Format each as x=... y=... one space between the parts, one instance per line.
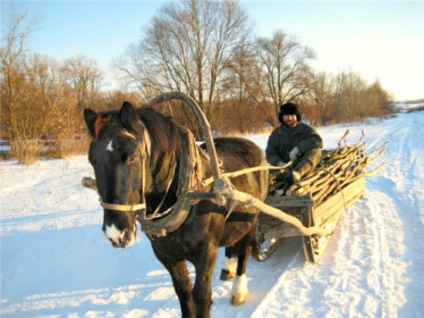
x=380 y=40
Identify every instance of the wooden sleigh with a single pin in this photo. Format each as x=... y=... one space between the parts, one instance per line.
x=312 y=208
x=325 y=215
x=320 y=198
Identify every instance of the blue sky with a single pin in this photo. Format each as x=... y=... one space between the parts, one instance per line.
x=379 y=39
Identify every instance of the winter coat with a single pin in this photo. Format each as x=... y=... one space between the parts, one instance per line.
x=283 y=139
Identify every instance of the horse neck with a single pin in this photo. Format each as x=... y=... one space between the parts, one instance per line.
x=187 y=165
x=163 y=172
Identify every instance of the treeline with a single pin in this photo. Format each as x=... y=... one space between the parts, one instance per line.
x=205 y=49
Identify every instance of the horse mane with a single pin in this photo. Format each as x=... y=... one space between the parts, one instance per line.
x=164 y=132
x=176 y=140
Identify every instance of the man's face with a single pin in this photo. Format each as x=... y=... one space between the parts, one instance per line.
x=290 y=120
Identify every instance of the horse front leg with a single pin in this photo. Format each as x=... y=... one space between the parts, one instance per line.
x=183 y=287
x=202 y=291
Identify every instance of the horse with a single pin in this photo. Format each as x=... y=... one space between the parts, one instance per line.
x=142 y=160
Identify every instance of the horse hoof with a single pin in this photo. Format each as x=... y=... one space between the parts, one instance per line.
x=226 y=275
x=238 y=299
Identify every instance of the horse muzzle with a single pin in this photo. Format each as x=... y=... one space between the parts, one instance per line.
x=120 y=238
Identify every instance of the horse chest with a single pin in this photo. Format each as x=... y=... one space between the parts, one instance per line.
x=174 y=247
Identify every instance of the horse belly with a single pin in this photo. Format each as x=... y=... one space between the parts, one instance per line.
x=237 y=226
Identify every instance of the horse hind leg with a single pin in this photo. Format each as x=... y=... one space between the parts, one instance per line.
x=239 y=291
x=247 y=246
x=229 y=268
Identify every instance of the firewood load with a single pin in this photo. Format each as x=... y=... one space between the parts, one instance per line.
x=338 y=168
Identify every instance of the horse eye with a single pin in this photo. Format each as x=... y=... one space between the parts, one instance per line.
x=132 y=159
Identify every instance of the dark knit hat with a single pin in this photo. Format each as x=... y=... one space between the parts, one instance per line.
x=289 y=109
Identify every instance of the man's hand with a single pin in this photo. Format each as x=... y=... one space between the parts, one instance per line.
x=281 y=163
x=294 y=153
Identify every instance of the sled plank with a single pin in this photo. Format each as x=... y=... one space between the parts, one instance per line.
x=327 y=216
x=339 y=201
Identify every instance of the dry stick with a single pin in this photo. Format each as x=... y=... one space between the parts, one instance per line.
x=325 y=185
x=325 y=181
x=343 y=138
x=309 y=179
x=319 y=174
x=325 y=192
x=378 y=155
x=362 y=137
x=374 y=171
x=353 y=176
x=346 y=164
x=296 y=192
x=320 y=179
x=366 y=173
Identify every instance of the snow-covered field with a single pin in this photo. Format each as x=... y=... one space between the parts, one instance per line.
x=56 y=262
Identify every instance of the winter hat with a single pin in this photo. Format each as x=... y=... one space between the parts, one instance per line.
x=289 y=109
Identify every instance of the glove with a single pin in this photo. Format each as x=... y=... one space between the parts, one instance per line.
x=280 y=163
x=294 y=153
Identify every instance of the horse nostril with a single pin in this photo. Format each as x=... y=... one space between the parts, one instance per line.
x=113 y=243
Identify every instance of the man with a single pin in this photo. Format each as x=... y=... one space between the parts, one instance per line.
x=293 y=141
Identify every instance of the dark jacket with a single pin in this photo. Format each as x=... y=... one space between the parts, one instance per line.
x=283 y=139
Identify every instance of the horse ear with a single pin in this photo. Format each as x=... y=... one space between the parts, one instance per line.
x=90 y=117
x=128 y=115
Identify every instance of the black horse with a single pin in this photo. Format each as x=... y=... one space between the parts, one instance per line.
x=140 y=162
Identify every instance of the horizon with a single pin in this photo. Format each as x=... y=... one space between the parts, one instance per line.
x=379 y=40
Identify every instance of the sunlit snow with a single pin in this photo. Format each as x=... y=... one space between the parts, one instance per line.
x=55 y=260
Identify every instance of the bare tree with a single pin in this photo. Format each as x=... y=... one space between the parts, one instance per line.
x=187 y=47
x=16 y=32
x=285 y=69
x=243 y=103
x=378 y=100
x=350 y=100
x=38 y=105
x=85 y=78
x=318 y=102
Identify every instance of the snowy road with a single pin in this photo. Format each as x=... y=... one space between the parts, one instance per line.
x=55 y=261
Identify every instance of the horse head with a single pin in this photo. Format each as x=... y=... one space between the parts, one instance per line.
x=119 y=153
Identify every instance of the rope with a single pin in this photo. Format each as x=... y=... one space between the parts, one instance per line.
x=338 y=184
x=237 y=173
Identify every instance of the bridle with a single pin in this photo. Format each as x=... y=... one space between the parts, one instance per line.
x=123 y=207
x=144 y=149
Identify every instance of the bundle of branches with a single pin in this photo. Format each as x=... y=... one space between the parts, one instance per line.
x=337 y=169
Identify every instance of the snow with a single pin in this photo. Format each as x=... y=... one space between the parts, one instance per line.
x=56 y=262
